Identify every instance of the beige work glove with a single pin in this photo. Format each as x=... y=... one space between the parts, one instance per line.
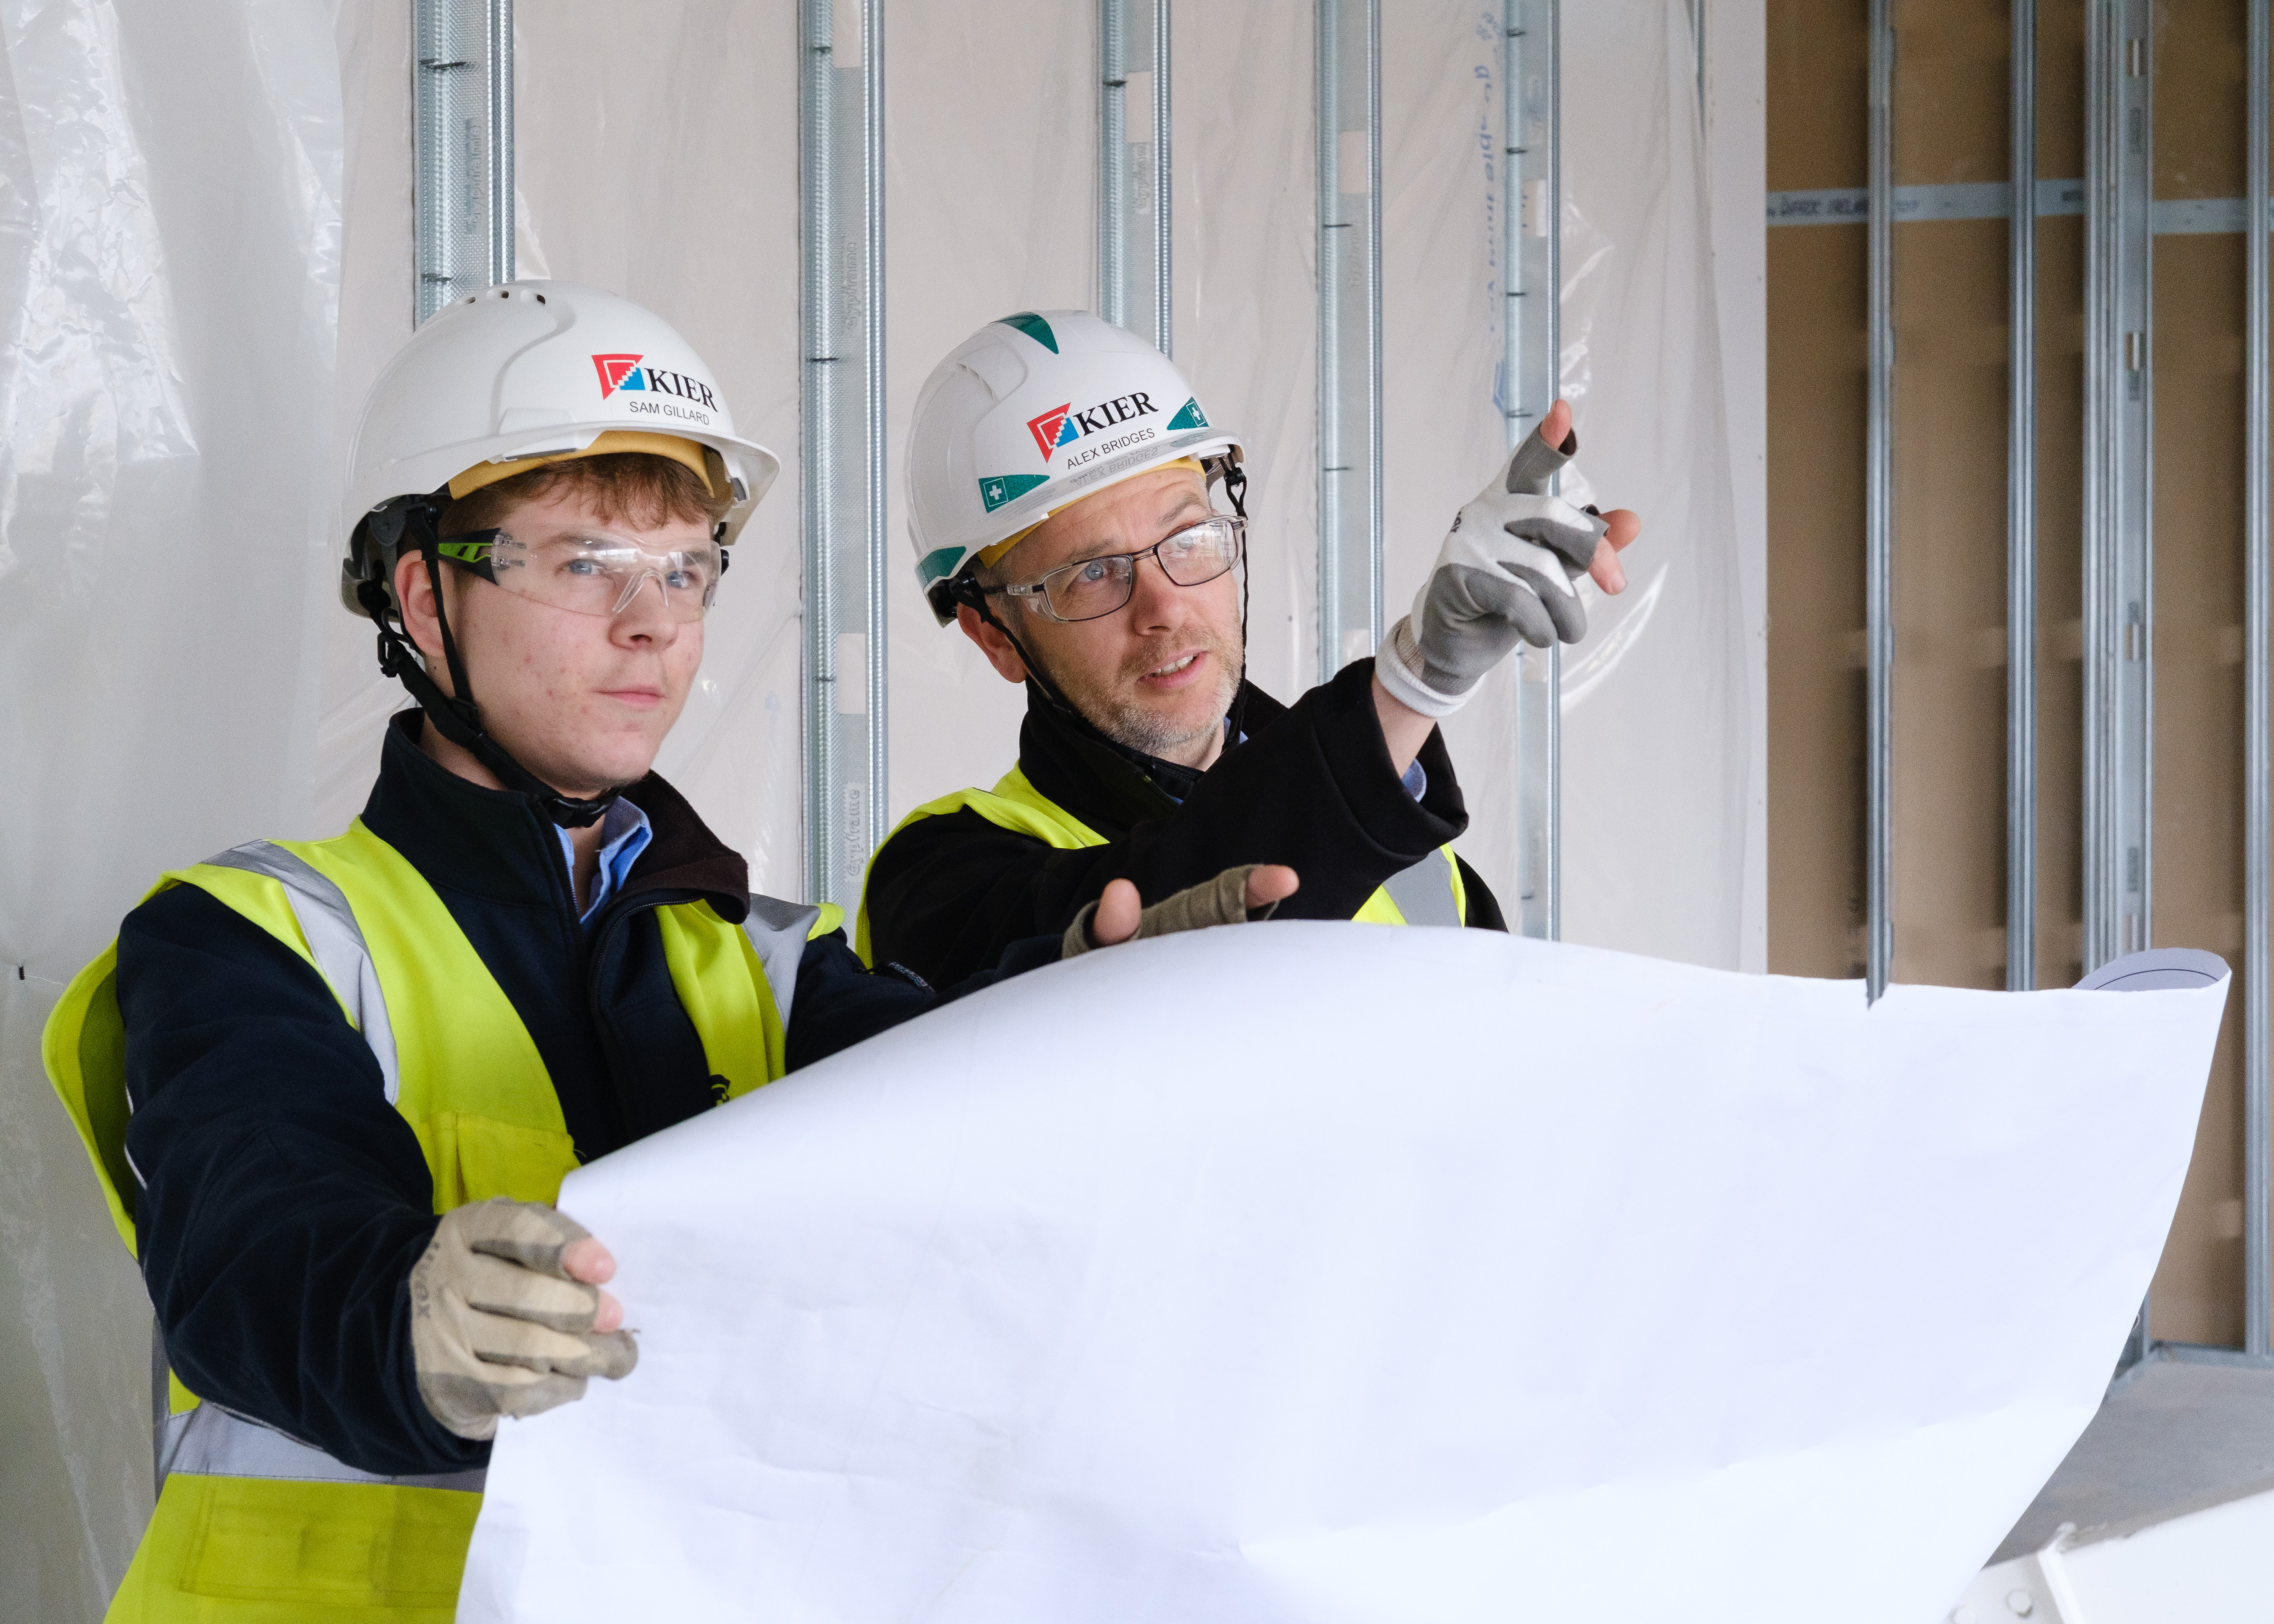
x=1220 y=901
x=497 y=1327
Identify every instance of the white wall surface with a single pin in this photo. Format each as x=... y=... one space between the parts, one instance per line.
x=1736 y=146
x=201 y=285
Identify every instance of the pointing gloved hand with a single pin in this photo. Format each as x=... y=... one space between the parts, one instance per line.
x=1507 y=573
x=499 y=1325
x=1233 y=897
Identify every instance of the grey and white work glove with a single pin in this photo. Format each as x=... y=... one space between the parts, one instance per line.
x=1220 y=901
x=497 y=1327
x=1507 y=573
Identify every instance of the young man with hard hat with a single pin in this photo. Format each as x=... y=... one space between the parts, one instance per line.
x=358 y=1069
x=1059 y=477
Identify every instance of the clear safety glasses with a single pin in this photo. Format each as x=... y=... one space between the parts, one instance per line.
x=1090 y=588
x=594 y=572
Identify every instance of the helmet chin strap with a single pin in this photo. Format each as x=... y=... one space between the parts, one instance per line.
x=1235 y=486
x=455 y=715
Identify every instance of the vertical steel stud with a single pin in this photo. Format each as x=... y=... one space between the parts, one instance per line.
x=876 y=645
x=1112 y=162
x=461 y=124
x=2119 y=599
x=2256 y=1151
x=1164 y=278
x=2119 y=398
x=1349 y=329
x=840 y=305
x=1530 y=378
x=1878 y=520
x=2021 y=516
x=1135 y=270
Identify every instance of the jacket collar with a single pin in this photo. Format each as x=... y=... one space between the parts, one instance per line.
x=1107 y=786
x=495 y=845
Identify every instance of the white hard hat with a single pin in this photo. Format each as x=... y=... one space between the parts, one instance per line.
x=535 y=369
x=1029 y=414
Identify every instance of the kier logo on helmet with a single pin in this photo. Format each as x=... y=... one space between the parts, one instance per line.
x=1062 y=425
x=618 y=372
x=1052 y=430
x=627 y=373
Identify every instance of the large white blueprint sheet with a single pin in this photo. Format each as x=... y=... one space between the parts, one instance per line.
x=1335 y=1273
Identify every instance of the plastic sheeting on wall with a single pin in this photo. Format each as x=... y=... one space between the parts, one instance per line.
x=1653 y=742
x=1654 y=724
x=168 y=294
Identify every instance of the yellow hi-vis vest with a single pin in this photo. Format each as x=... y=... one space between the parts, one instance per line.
x=1430 y=892
x=253 y=1527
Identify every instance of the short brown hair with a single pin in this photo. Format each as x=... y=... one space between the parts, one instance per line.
x=628 y=486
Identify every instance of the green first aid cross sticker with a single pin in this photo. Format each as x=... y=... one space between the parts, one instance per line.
x=1003 y=488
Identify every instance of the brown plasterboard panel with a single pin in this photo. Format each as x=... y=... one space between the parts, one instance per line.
x=1949 y=555
x=1949 y=544
x=1950 y=123
x=1817 y=118
x=1815 y=401
x=2201 y=99
x=1817 y=73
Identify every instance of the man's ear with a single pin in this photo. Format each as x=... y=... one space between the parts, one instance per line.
x=416 y=593
x=998 y=649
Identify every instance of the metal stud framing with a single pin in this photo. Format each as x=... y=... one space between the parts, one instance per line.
x=2256 y=1151
x=2022 y=517
x=2118 y=600
x=1136 y=280
x=2122 y=220
x=461 y=119
x=841 y=398
x=2119 y=605
x=1878 y=520
x=1350 y=332
x=1530 y=237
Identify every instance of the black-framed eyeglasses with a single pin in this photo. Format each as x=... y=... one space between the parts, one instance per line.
x=1090 y=588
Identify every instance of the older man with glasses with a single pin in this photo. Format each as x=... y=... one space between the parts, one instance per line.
x=1060 y=473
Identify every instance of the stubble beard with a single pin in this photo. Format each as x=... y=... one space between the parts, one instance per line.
x=1114 y=708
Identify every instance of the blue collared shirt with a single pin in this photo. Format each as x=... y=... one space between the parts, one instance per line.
x=624 y=834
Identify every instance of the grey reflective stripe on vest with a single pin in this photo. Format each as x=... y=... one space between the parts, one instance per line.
x=334 y=937
x=1424 y=893
x=777 y=931
x=211 y=1441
